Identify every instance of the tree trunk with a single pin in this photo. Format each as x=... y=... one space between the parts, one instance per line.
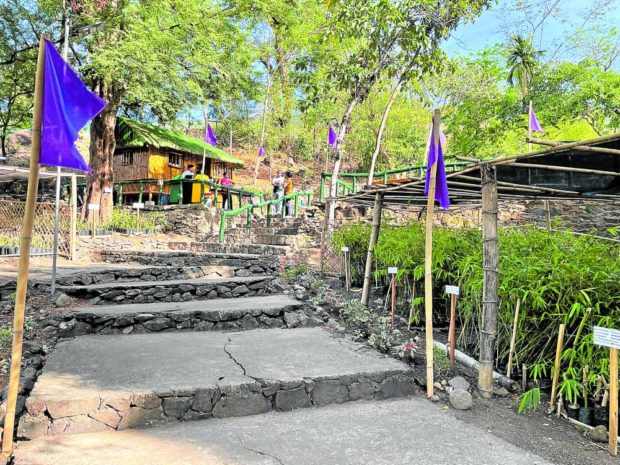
x=382 y=126
x=346 y=120
x=102 y=145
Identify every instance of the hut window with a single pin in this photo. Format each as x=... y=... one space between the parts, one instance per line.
x=127 y=158
x=174 y=159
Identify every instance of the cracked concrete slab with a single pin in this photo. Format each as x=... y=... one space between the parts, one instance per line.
x=258 y=305
x=404 y=431
x=242 y=373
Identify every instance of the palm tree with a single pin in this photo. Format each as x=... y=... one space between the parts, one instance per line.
x=522 y=60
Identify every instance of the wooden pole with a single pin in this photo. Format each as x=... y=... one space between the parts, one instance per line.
x=452 y=331
x=411 y=307
x=556 y=365
x=613 y=401
x=524 y=377
x=428 y=262
x=73 y=212
x=24 y=257
x=490 y=267
x=513 y=340
x=582 y=148
x=393 y=298
x=529 y=129
x=374 y=237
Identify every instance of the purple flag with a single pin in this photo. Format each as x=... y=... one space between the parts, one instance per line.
x=332 y=138
x=210 y=136
x=67 y=106
x=261 y=151
x=534 y=124
x=435 y=154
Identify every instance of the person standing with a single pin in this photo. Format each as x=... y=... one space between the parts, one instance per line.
x=187 y=186
x=189 y=172
x=278 y=190
x=288 y=189
x=226 y=182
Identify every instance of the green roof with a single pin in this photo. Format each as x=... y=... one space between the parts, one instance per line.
x=137 y=134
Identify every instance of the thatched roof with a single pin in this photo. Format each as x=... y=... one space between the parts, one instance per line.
x=132 y=134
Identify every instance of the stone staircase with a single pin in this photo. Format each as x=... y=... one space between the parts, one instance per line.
x=163 y=342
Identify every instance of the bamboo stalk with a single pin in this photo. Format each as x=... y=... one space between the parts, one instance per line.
x=393 y=298
x=556 y=365
x=613 y=401
x=583 y=148
x=559 y=168
x=513 y=340
x=428 y=262
x=452 y=329
x=374 y=237
x=24 y=257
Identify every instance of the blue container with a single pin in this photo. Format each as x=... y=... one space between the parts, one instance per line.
x=164 y=199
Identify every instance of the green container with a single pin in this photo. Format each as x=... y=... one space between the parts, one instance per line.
x=176 y=190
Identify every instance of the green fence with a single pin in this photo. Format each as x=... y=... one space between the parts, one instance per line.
x=265 y=206
x=357 y=181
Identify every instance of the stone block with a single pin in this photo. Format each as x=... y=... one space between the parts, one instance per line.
x=158 y=324
x=106 y=415
x=32 y=427
x=175 y=407
x=140 y=417
x=203 y=400
x=329 y=392
x=145 y=401
x=239 y=406
x=61 y=409
x=292 y=399
x=363 y=389
x=396 y=386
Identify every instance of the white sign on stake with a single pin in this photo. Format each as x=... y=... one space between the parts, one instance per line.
x=344 y=249
x=607 y=337
x=392 y=270
x=137 y=205
x=108 y=190
x=454 y=290
x=93 y=206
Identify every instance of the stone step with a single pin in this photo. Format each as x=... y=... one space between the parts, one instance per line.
x=243 y=264
x=276 y=239
x=172 y=290
x=243 y=313
x=397 y=432
x=99 y=383
x=216 y=247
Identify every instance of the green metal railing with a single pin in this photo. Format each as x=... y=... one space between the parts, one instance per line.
x=248 y=210
x=345 y=188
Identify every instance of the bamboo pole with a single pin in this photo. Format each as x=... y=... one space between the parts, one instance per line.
x=73 y=212
x=428 y=262
x=452 y=330
x=529 y=129
x=583 y=148
x=24 y=257
x=513 y=340
x=556 y=365
x=567 y=169
x=613 y=401
x=490 y=267
x=393 y=298
x=374 y=237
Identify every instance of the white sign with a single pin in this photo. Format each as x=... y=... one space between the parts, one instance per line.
x=344 y=249
x=149 y=203
x=454 y=290
x=392 y=270
x=607 y=337
x=108 y=190
x=93 y=206
x=138 y=205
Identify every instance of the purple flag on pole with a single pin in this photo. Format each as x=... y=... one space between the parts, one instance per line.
x=67 y=106
x=261 y=151
x=332 y=138
x=534 y=124
x=435 y=154
x=210 y=136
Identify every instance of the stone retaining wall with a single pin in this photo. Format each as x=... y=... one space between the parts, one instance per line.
x=177 y=291
x=242 y=265
x=82 y=322
x=138 y=410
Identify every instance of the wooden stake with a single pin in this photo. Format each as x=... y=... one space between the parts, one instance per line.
x=524 y=377
x=24 y=257
x=374 y=237
x=411 y=307
x=74 y=212
x=490 y=266
x=547 y=214
x=513 y=340
x=613 y=401
x=556 y=365
x=393 y=298
x=452 y=330
x=428 y=262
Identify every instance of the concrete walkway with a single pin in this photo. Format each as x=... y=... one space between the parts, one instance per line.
x=409 y=431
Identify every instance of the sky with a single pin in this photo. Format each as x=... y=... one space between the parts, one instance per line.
x=491 y=27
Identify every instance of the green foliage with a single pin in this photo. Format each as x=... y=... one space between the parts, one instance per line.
x=6 y=337
x=296 y=271
x=357 y=318
x=123 y=218
x=558 y=276
x=384 y=337
x=529 y=400
x=441 y=362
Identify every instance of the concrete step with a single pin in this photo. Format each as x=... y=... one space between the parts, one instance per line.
x=99 y=383
x=171 y=290
x=242 y=264
x=243 y=313
x=395 y=432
